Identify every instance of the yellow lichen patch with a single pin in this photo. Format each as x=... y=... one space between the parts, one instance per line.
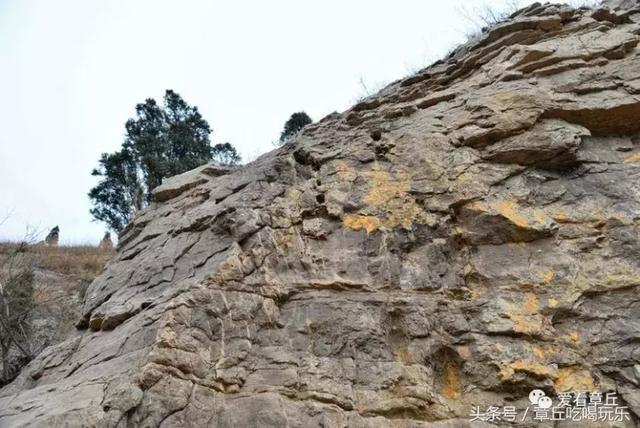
x=404 y=217
x=509 y=210
x=621 y=276
x=293 y=193
x=526 y=323
x=405 y=213
x=540 y=216
x=385 y=187
x=552 y=302
x=538 y=352
x=477 y=206
x=525 y=317
x=633 y=158
x=572 y=336
x=389 y=196
x=574 y=379
x=530 y=303
x=542 y=352
x=548 y=276
x=366 y=222
x=477 y=292
x=507 y=372
x=559 y=215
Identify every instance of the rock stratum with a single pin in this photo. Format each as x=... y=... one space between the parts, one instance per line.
x=465 y=235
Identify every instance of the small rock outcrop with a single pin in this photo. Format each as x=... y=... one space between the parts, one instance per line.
x=464 y=236
x=53 y=237
x=106 y=243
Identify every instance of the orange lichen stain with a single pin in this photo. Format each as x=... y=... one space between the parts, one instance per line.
x=559 y=215
x=530 y=303
x=572 y=336
x=525 y=323
x=451 y=380
x=538 y=352
x=385 y=187
x=405 y=213
x=366 y=222
x=507 y=372
x=506 y=208
x=344 y=171
x=404 y=217
x=509 y=210
x=524 y=316
x=633 y=158
x=540 y=216
x=389 y=196
x=548 y=276
x=574 y=379
x=542 y=352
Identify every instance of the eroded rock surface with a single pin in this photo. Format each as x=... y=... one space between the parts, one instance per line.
x=460 y=238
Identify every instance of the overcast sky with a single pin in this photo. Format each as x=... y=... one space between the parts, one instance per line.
x=72 y=71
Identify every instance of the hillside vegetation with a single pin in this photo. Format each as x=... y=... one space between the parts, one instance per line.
x=41 y=292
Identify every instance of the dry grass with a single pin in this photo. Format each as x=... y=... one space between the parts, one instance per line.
x=82 y=262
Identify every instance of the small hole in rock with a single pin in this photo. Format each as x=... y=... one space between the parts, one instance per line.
x=320 y=198
x=376 y=135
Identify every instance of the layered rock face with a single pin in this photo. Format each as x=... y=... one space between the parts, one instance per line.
x=462 y=237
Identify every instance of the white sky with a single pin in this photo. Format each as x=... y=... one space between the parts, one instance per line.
x=72 y=71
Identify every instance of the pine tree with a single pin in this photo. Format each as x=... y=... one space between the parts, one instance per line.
x=161 y=141
x=226 y=154
x=296 y=122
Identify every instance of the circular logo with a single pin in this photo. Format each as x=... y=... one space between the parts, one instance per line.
x=535 y=395
x=544 y=402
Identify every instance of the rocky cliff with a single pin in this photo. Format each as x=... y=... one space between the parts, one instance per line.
x=466 y=235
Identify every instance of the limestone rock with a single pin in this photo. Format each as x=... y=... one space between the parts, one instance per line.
x=464 y=236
